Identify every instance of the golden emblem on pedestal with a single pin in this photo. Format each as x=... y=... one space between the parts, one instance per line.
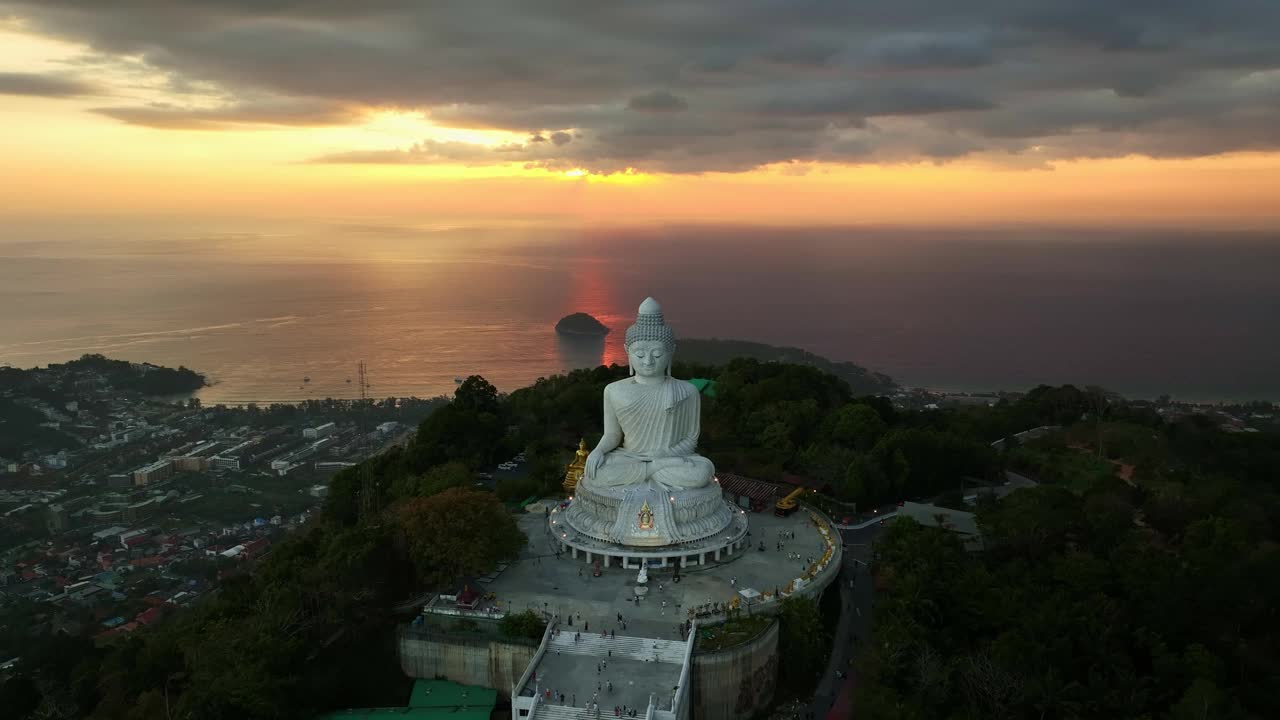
x=646 y=517
x=576 y=468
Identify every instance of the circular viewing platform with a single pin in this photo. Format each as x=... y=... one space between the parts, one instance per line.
x=725 y=542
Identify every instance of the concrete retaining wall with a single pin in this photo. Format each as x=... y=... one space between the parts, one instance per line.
x=479 y=661
x=735 y=683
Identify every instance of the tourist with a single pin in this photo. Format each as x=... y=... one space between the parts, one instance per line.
x=609 y=685
x=586 y=626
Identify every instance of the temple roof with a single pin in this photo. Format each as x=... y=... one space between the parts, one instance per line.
x=748 y=487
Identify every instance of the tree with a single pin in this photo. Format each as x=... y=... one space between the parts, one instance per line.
x=435 y=480
x=459 y=532
x=522 y=625
x=856 y=426
x=477 y=394
x=802 y=640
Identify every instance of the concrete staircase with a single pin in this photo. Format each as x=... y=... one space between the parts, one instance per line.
x=564 y=712
x=633 y=648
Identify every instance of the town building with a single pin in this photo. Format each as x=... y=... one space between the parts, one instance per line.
x=153 y=473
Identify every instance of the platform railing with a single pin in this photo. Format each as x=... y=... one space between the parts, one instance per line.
x=518 y=702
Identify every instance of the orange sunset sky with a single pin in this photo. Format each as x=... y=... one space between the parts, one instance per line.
x=938 y=124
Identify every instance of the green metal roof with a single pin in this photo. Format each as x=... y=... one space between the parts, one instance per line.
x=705 y=386
x=430 y=700
x=408 y=713
x=442 y=693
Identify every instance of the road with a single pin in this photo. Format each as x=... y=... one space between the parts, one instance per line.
x=856 y=596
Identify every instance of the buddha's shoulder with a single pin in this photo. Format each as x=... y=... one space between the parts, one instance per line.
x=629 y=385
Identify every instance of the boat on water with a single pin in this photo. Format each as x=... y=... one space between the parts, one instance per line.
x=306 y=379
x=458 y=381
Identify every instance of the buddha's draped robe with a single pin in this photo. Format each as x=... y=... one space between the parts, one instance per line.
x=660 y=425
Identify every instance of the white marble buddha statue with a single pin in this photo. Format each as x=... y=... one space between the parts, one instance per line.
x=651 y=420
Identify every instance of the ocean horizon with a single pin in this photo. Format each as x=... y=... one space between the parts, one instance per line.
x=259 y=309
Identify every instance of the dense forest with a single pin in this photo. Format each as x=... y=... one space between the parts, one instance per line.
x=1141 y=580
x=1147 y=591
x=119 y=375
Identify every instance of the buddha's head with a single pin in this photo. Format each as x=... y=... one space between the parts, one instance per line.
x=650 y=344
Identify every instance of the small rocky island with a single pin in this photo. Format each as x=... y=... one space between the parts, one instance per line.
x=581 y=323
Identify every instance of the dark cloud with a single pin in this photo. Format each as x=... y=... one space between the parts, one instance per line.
x=43 y=85
x=657 y=101
x=168 y=117
x=716 y=85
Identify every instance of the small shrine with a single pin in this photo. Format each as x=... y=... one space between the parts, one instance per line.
x=576 y=468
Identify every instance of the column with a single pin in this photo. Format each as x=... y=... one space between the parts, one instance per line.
x=588 y=557
x=607 y=558
x=575 y=553
x=717 y=554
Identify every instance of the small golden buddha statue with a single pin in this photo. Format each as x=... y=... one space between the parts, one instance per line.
x=574 y=473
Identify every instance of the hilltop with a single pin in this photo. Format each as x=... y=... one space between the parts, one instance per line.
x=719 y=352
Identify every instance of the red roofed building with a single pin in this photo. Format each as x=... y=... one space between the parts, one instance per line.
x=255 y=548
x=748 y=492
x=149 y=616
x=147 y=562
x=805 y=482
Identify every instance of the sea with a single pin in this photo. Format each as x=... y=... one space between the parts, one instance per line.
x=285 y=310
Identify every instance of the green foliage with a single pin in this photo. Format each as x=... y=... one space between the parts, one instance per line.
x=476 y=395
x=525 y=624
x=514 y=489
x=765 y=414
x=735 y=631
x=459 y=532
x=435 y=480
x=803 y=641
x=1074 y=611
x=146 y=379
x=854 y=426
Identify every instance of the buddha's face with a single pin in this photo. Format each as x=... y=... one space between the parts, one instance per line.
x=649 y=358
